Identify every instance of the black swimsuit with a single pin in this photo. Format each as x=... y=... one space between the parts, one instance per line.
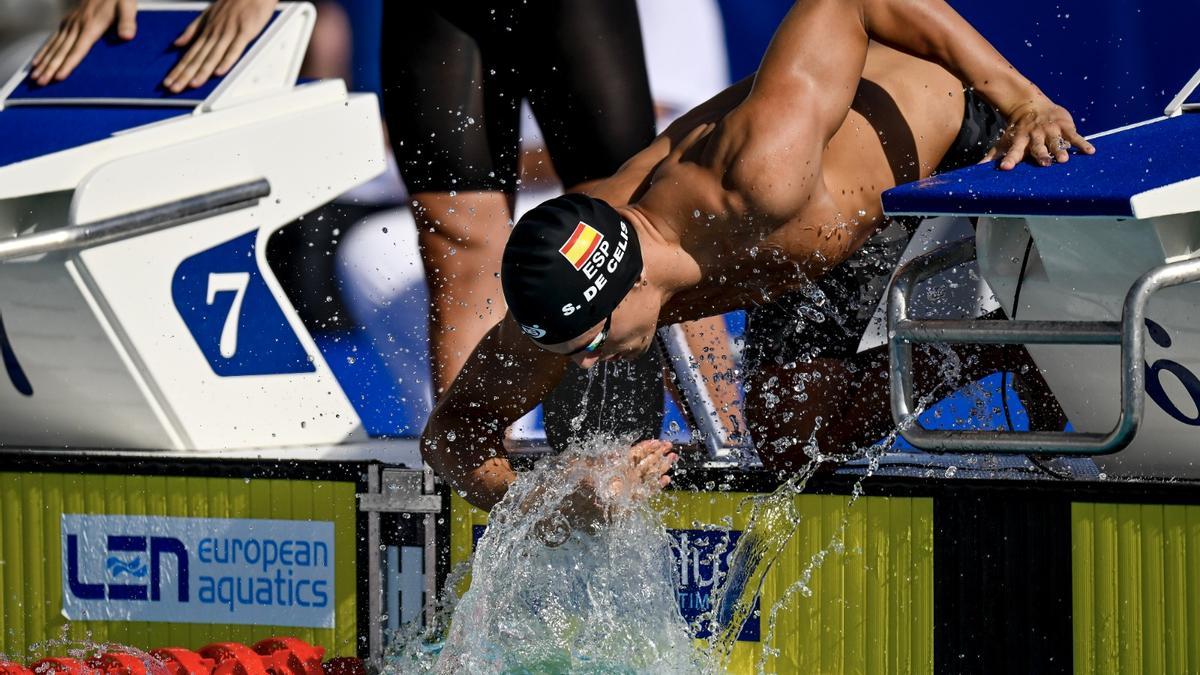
x=829 y=318
x=455 y=72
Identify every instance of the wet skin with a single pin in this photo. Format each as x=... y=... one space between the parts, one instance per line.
x=767 y=185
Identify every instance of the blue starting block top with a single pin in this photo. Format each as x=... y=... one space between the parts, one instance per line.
x=117 y=86
x=26 y=133
x=116 y=69
x=1144 y=171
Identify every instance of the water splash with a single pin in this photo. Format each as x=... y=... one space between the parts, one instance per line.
x=84 y=648
x=552 y=593
x=773 y=522
x=549 y=596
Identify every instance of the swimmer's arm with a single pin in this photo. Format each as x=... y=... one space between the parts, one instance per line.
x=504 y=378
x=932 y=30
x=811 y=70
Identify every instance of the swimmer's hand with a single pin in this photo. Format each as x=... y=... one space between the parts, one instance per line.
x=637 y=476
x=217 y=39
x=643 y=472
x=1040 y=129
x=78 y=31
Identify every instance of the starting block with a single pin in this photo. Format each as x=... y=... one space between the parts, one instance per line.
x=137 y=309
x=1094 y=252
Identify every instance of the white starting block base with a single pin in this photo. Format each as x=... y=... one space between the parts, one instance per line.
x=178 y=339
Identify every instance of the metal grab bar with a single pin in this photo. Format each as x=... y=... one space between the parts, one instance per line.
x=153 y=219
x=1129 y=333
x=700 y=407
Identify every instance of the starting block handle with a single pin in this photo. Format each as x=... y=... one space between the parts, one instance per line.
x=700 y=406
x=1179 y=104
x=1129 y=333
x=136 y=223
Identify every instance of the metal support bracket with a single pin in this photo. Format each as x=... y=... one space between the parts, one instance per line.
x=397 y=491
x=722 y=448
x=401 y=491
x=1129 y=333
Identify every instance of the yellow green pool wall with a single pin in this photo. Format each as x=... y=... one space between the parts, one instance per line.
x=31 y=595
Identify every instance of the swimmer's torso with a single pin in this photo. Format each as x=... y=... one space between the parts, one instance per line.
x=751 y=205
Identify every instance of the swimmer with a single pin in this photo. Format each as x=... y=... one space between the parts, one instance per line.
x=770 y=184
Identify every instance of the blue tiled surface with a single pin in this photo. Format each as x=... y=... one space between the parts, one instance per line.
x=28 y=132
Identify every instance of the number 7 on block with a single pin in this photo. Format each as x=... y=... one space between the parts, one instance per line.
x=224 y=282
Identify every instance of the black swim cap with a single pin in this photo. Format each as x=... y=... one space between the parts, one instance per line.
x=567 y=265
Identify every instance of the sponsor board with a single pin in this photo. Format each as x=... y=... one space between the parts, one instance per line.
x=701 y=558
x=198 y=570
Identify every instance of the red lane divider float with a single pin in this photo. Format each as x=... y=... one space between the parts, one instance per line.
x=121 y=663
x=289 y=656
x=273 y=656
x=179 y=661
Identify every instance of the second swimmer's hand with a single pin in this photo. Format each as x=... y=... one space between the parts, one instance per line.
x=79 y=30
x=216 y=40
x=1041 y=130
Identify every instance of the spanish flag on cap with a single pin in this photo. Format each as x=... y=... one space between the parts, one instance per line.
x=582 y=242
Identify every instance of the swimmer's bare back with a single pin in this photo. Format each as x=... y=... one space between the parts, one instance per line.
x=761 y=212
x=774 y=180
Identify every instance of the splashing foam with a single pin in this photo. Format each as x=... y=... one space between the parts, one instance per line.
x=551 y=594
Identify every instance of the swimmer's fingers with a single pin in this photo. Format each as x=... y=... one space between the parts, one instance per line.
x=1043 y=130
x=1038 y=151
x=640 y=451
x=79 y=30
x=228 y=27
x=177 y=78
x=184 y=73
x=46 y=54
x=1074 y=138
x=653 y=469
x=126 y=20
x=1057 y=145
x=654 y=463
x=234 y=53
x=55 y=60
x=215 y=57
x=1015 y=152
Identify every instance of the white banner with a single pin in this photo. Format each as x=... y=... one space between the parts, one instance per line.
x=198 y=570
